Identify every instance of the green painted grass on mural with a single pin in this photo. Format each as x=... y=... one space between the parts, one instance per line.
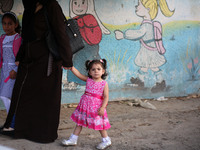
x=117 y=67
x=179 y=25
x=174 y=25
x=121 y=27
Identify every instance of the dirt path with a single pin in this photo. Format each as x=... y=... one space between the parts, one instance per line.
x=174 y=125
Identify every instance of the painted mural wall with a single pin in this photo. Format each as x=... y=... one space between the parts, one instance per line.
x=152 y=46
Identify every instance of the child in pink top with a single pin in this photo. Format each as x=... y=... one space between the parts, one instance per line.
x=91 y=110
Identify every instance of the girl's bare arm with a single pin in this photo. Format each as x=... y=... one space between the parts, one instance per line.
x=78 y=74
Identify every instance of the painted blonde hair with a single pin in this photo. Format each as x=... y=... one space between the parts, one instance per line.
x=153 y=7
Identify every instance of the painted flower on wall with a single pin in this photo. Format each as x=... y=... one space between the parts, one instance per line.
x=194 y=69
x=196 y=60
x=189 y=65
x=192 y=63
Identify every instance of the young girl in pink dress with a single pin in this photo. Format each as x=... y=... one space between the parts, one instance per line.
x=91 y=110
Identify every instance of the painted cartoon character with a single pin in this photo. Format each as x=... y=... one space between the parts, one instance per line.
x=5 y=6
x=91 y=30
x=150 y=55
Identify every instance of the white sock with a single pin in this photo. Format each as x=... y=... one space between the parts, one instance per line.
x=74 y=137
x=6 y=102
x=106 y=139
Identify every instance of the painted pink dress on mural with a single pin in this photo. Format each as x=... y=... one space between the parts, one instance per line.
x=86 y=113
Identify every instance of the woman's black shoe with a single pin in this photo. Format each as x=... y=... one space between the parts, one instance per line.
x=4 y=132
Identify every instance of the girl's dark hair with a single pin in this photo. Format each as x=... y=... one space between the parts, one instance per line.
x=102 y=62
x=12 y=16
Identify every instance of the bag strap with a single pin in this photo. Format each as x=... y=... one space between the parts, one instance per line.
x=46 y=17
x=144 y=43
x=147 y=46
x=50 y=58
x=65 y=20
x=71 y=28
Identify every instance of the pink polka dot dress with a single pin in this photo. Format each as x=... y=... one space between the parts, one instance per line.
x=86 y=113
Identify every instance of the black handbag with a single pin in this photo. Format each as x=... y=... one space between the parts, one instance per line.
x=72 y=30
x=75 y=38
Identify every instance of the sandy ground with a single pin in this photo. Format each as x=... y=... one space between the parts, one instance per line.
x=174 y=125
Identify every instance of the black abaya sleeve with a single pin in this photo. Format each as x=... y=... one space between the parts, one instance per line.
x=56 y=20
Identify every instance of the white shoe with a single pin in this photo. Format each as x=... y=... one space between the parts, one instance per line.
x=70 y=142
x=104 y=144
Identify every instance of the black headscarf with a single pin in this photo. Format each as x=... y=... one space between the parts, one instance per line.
x=28 y=33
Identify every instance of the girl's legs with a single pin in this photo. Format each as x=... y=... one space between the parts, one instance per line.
x=103 y=133
x=77 y=130
x=73 y=138
x=106 y=141
x=144 y=69
x=6 y=102
x=155 y=69
x=142 y=72
x=160 y=82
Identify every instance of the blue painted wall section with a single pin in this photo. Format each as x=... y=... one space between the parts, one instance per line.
x=115 y=30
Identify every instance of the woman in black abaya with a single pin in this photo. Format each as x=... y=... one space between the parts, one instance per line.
x=36 y=97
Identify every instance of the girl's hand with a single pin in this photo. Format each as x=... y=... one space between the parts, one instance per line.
x=119 y=34
x=17 y=63
x=101 y=111
x=13 y=74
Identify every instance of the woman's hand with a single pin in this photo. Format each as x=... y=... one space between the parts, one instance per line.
x=13 y=74
x=101 y=111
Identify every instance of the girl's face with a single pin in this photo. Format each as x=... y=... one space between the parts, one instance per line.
x=96 y=72
x=140 y=10
x=9 y=26
x=79 y=7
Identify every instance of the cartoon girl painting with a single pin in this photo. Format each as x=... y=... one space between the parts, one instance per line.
x=91 y=30
x=5 y=5
x=149 y=55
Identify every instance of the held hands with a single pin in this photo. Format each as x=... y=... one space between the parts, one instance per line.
x=119 y=34
x=13 y=74
x=101 y=111
x=67 y=68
